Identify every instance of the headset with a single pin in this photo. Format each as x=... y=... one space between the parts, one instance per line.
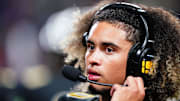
x=141 y=54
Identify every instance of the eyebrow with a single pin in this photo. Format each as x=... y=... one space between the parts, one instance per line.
x=89 y=41
x=104 y=43
x=110 y=44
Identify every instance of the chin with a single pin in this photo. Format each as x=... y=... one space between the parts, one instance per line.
x=99 y=89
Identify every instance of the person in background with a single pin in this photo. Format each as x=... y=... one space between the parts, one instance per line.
x=134 y=47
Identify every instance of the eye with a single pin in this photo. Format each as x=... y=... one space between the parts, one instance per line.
x=90 y=46
x=109 y=50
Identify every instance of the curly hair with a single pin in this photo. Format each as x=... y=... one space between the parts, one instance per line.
x=164 y=28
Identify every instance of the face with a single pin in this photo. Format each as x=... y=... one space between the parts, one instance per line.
x=106 y=55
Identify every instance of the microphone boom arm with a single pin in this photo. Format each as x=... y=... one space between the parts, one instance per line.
x=98 y=83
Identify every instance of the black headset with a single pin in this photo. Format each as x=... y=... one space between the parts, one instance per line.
x=141 y=53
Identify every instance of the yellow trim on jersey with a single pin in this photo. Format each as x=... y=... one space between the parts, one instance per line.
x=80 y=95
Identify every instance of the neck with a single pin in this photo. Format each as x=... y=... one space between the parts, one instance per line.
x=105 y=94
x=105 y=97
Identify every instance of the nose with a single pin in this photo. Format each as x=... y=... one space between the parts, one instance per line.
x=94 y=58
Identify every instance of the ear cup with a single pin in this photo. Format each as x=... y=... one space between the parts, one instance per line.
x=139 y=63
x=133 y=60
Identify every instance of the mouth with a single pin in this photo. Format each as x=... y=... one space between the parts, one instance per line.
x=93 y=75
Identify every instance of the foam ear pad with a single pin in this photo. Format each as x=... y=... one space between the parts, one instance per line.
x=133 y=60
x=133 y=55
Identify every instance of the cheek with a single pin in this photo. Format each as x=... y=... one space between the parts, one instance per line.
x=117 y=62
x=86 y=55
x=86 y=61
x=116 y=68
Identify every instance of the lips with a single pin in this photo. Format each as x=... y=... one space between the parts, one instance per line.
x=93 y=75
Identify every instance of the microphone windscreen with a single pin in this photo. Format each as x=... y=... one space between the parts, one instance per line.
x=71 y=73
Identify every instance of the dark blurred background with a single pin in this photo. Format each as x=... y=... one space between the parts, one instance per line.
x=30 y=33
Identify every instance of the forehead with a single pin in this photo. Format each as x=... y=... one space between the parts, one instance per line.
x=106 y=31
